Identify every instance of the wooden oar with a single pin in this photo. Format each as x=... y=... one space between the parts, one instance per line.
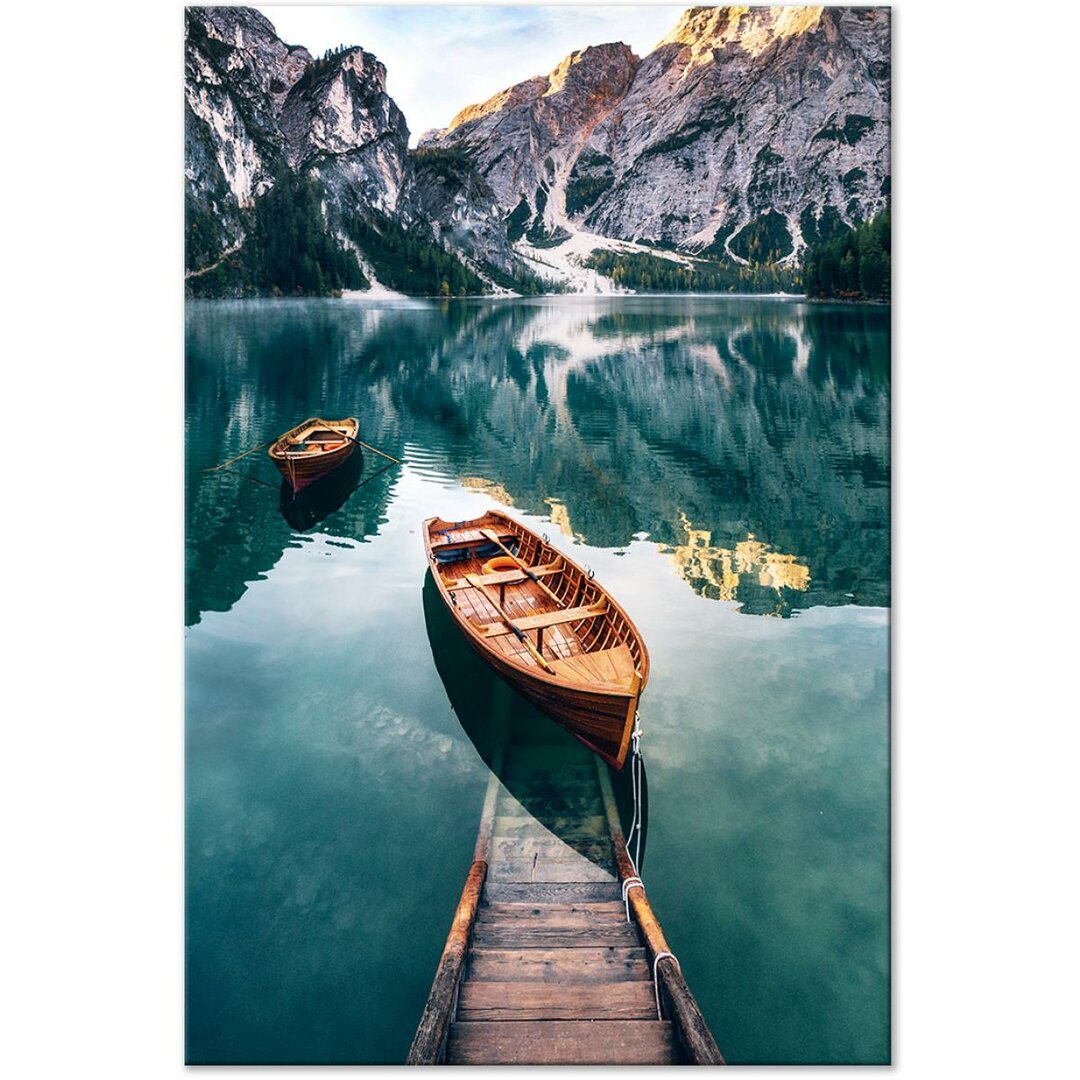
x=375 y=450
x=239 y=456
x=488 y=534
x=519 y=634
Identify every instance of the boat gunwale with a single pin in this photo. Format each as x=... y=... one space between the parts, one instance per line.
x=278 y=449
x=536 y=672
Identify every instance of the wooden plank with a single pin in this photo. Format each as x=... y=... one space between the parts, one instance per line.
x=544 y=892
x=514 y=935
x=553 y=913
x=550 y=870
x=551 y=807
x=540 y=1001
x=507 y=825
x=549 y=847
x=562 y=1042
x=616 y=963
x=555 y=618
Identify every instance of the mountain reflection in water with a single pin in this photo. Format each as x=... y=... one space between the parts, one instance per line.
x=713 y=425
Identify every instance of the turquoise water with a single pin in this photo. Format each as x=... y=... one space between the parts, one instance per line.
x=723 y=465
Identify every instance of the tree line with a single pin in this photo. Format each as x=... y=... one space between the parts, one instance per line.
x=651 y=273
x=856 y=265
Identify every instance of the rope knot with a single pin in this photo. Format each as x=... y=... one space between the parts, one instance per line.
x=627 y=885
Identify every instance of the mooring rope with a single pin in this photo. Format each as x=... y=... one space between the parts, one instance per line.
x=637 y=764
x=656 y=985
x=627 y=885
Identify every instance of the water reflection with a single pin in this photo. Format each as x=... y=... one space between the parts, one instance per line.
x=304 y=509
x=756 y=421
x=751 y=574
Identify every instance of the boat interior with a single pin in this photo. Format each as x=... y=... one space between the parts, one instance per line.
x=315 y=439
x=557 y=620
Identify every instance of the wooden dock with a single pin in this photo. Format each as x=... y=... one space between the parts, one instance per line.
x=541 y=966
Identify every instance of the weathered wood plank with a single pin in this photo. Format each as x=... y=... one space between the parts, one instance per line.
x=515 y=935
x=611 y=964
x=545 y=809
x=551 y=892
x=541 y=1001
x=550 y=870
x=549 y=847
x=553 y=914
x=563 y=828
x=562 y=1042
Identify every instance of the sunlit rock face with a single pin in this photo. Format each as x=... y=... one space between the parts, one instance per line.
x=744 y=132
x=524 y=141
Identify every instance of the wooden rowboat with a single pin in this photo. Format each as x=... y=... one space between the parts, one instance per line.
x=314 y=448
x=544 y=625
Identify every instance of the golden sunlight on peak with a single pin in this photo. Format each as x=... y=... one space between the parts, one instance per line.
x=507 y=98
x=752 y=29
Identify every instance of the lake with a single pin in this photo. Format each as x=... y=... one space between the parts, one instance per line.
x=723 y=465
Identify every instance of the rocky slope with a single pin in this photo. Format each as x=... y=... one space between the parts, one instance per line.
x=741 y=134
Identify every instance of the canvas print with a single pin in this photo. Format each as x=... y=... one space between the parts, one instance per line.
x=537 y=535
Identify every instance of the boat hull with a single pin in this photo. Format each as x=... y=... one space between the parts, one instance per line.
x=300 y=470
x=599 y=720
x=601 y=714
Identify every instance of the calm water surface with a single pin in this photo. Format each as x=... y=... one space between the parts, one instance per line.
x=723 y=465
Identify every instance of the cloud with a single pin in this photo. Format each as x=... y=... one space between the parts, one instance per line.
x=441 y=58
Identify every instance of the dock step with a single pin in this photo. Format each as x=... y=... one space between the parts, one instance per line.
x=555 y=892
x=562 y=1042
x=511 y=933
x=614 y=963
x=540 y=1001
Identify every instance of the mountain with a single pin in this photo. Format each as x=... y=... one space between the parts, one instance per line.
x=745 y=132
x=298 y=173
x=744 y=136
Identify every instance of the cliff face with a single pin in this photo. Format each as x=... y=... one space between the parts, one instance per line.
x=524 y=141
x=738 y=134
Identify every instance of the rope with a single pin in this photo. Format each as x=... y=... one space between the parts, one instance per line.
x=656 y=985
x=627 y=885
x=636 y=765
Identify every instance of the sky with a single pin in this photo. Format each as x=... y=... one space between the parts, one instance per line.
x=441 y=58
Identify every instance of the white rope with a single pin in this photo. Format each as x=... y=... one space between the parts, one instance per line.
x=633 y=836
x=627 y=885
x=656 y=984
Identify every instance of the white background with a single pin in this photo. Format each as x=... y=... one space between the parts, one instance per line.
x=985 y=646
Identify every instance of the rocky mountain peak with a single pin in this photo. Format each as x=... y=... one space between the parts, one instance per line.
x=753 y=30
x=605 y=68
x=339 y=105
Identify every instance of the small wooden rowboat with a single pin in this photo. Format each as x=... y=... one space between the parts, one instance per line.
x=314 y=448
x=544 y=625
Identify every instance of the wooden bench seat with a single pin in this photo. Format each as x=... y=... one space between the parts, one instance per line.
x=547 y=618
x=504 y=577
x=473 y=541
